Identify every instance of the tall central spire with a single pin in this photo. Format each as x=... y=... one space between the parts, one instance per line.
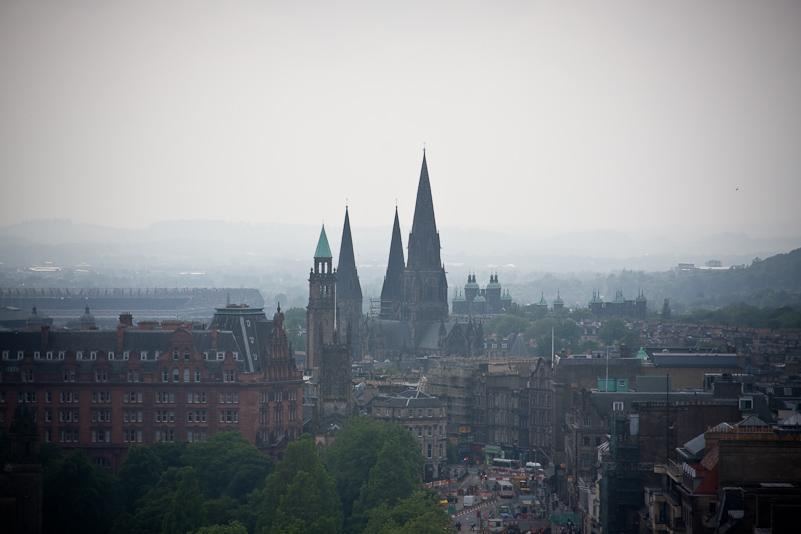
x=424 y=247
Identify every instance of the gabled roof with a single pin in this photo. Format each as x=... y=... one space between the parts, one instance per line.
x=323 y=250
x=794 y=419
x=752 y=420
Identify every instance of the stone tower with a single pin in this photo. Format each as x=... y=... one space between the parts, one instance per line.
x=350 y=317
x=321 y=311
x=424 y=285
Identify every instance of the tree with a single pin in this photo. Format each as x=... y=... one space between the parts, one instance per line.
x=391 y=465
x=611 y=331
x=420 y=513
x=234 y=527
x=666 y=310
x=503 y=325
x=228 y=465
x=354 y=453
x=187 y=511
x=139 y=473
x=79 y=496
x=152 y=508
x=300 y=494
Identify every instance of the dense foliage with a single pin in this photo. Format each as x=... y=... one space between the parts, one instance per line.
x=224 y=485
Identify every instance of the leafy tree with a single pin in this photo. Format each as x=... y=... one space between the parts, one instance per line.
x=139 y=473
x=666 y=310
x=354 y=453
x=79 y=496
x=420 y=513
x=503 y=325
x=294 y=321
x=611 y=331
x=541 y=328
x=391 y=465
x=170 y=452
x=152 y=508
x=228 y=465
x=300 y=495
x=234 y=527
x=187 y=511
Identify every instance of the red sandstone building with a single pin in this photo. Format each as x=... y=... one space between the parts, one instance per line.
x=105 y=390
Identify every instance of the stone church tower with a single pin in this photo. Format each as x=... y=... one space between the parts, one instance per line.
x=350 y=317
x=328 y=358
x=423 y=284
x=321 y=311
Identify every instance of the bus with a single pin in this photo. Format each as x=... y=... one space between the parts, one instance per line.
x=521 y=485
x=506 y=463
x=505 y=489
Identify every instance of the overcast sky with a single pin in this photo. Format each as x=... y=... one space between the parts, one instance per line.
x=536 y=116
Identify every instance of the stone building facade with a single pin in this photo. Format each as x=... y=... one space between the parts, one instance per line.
x=105 y=390
x=425 y=417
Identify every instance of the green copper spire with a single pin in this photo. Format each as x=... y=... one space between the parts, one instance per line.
x=323 y=250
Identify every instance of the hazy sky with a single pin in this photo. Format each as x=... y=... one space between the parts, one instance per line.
x=536 y=116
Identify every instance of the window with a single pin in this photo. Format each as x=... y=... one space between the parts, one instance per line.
x=746 y=403
x=229 y=375
x=617 y=406
x=197 y=375
x=143 y=355
x=175 y=354
x=586 y=461
x=165 y=375
x=220 y=355
x=586 y=440
x=186 y=375
x=430 y=450
x=93 y=355
x=101 y=376
x=186 y=354
x=175 y=374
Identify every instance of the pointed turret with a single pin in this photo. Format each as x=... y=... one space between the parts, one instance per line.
x=323 y=250
x=391 y=292
x=424 y=247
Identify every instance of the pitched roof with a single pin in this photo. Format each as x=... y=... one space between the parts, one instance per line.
x=323 y=250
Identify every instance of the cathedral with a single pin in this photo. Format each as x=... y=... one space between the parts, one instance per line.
x=414 y=319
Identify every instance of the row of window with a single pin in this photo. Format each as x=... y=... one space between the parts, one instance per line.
x=279 y=396
x=162 y=397
x=129 y=435
x=278 y=415
x=92 y=355
x=410 y=412
x=429 y=430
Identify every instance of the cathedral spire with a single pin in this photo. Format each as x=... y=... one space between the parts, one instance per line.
x=348 y=279
x=424 y=247
x=391 y=289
